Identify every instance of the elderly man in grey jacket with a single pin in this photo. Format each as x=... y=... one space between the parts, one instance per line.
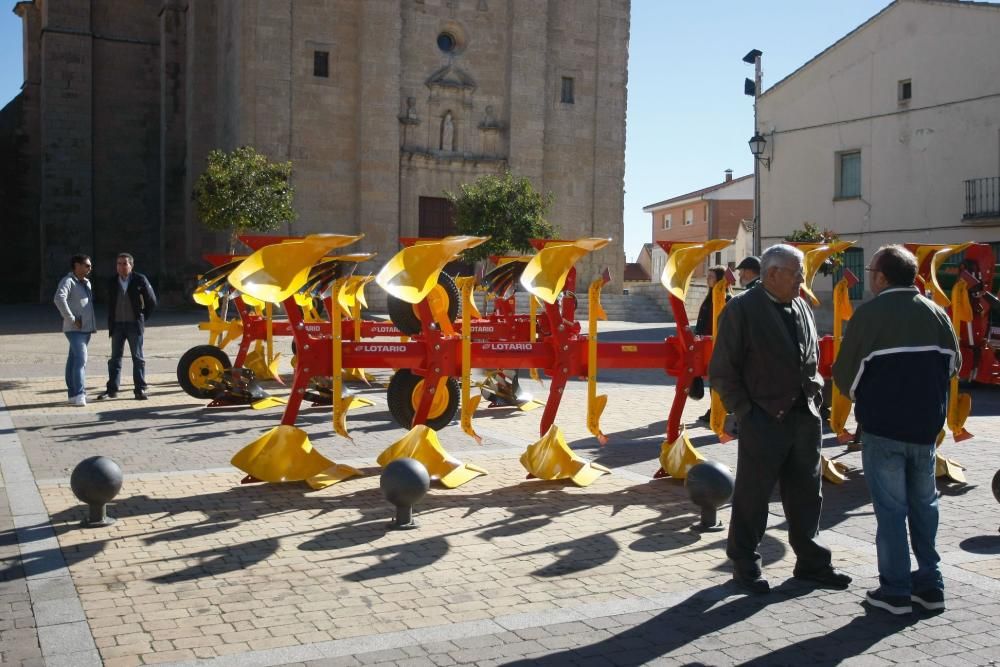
x=765 y=368
x=75 y=301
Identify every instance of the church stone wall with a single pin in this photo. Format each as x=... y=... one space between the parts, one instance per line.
x=132 y=95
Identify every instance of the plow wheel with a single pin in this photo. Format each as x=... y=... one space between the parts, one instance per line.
x=404 y=315
x=201 y=369
x=403 y=397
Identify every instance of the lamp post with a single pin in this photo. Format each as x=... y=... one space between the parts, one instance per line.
x=756 y=143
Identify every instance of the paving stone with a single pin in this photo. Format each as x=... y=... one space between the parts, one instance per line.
x=606 y=571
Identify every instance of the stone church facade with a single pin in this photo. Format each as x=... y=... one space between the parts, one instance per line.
x=381 y=105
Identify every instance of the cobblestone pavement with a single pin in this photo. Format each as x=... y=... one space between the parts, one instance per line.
x=502 y=570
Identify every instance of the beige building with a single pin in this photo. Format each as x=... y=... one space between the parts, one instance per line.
x=892 y=134
x=382 y=105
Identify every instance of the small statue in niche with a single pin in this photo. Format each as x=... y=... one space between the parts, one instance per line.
x=447 y=132
x=489 y=120
x=411 y=109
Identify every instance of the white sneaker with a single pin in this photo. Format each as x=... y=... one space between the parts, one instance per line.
x=80 y=400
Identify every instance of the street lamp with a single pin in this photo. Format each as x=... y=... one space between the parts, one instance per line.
x=757 y=143
x=757 y=146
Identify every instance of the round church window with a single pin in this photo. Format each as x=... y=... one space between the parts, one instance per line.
x=446 y=42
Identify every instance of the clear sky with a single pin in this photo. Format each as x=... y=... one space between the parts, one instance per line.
x=688 y=119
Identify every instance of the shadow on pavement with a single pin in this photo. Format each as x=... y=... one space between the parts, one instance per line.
x=701 y=615
x=529 y=506
x=982 y=544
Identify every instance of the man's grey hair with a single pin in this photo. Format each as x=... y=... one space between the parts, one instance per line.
x=780 y=255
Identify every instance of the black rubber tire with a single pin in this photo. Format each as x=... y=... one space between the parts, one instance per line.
x=404 y=315
x=400 y=398
x=199 y=368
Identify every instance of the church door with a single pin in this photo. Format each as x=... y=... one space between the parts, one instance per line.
x=437 y=220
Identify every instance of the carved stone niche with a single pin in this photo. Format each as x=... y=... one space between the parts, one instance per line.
x=409 y=121
x=489 y=132
x=450 y=102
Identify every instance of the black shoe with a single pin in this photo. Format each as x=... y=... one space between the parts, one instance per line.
x=755 y=585
x=140 y=395
x=110 y=393
x=825 y=578
x=707 y=417
x=931 y=600
x=894 y=604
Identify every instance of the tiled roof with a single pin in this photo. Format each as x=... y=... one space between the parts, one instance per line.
x=635 y=273
x=697 y=193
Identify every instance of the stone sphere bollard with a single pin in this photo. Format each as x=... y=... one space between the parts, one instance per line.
x=96 y=481
x=710 y=485
x=404 y=482
x=996 y=488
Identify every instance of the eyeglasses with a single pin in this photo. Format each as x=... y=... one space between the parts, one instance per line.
x=798 y=272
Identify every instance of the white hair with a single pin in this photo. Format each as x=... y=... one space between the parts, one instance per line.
x=780 y=255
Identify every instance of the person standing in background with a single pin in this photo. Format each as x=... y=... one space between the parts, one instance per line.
x=131 y=301
x=75 y=301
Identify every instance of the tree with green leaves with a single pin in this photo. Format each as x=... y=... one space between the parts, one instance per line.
x=507 y=209
x=810 y=233
x=244 y=191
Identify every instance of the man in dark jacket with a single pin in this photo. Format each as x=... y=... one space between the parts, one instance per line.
x=765 y=368
x=131 y=301
x=749 y=270
x=895 y=362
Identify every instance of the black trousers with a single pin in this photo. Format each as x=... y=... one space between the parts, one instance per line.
x=788 y=453
x=121 y=333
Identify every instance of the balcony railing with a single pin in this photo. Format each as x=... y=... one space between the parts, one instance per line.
x=982 y=198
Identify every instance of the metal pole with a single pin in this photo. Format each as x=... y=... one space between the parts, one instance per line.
x=756 y=162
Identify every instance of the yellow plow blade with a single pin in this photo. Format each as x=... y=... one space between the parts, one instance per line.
x=595 y=403
x=533 y=333
x=412 y=273
x=717 y=418
x=283 y=454
x=949 y=468
x=545 y=274
x=840 y=409
x=339 y=402
x=421 y=443
x=840 y=405
x=677 y=457
x=206 y=298
x=338 y=472
x=833 y=471
x=814 y=258
x=683 y=259
x=469 y=404
x=551 y=458
x=269 y=402
x=959 y=404
x=358 y=375
x=940 y=254
x=355 y=291
x=257 y=362
x=275 y=272
x=717 y=413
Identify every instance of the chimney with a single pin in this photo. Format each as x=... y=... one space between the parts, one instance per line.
x=729 y=175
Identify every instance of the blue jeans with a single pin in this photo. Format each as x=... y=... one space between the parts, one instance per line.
x=120 y=333
x=76 y=362
x=900 y=476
